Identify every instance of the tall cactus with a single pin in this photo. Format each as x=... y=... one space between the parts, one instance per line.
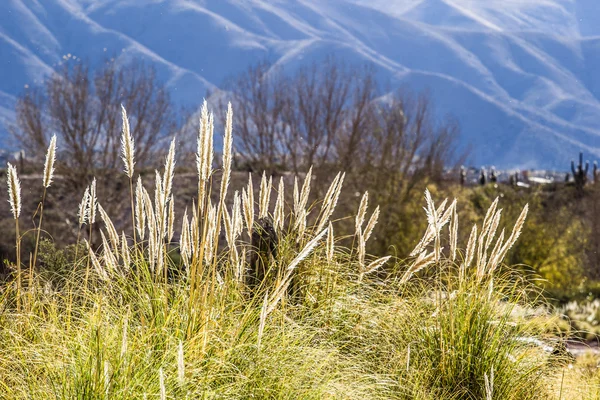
x=493 y=176
x=580 y=174
x=463 y=175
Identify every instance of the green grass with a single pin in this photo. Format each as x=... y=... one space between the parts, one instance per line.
x=138 y=320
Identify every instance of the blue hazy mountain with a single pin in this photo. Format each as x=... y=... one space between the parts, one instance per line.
x=521 y=76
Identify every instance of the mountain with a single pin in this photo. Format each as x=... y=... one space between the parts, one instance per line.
x=521 y=76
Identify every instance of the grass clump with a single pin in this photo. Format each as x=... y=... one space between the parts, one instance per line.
x=175 y=310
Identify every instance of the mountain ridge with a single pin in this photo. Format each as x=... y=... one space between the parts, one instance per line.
x=519 y=75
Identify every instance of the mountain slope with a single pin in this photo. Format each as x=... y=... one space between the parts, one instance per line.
x=520 y=75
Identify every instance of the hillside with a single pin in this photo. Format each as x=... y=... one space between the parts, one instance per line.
x=520 y=76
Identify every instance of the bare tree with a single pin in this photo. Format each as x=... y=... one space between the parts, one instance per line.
x=315 y=110
x=259 y=99
x=83 y=108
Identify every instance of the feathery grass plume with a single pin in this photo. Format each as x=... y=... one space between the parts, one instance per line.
x=14 y=198
x=170 y=220
x=240 y=266
x=167 y=182
x=287 y=278
x=442 y=207
x=228 y=224
x=159 y=201
x=279 y=212
x=375 y=265
x=210 y=148
x=424 y=242
x=14 y=191
x=493 y=228
x=110 y=229
x=301 y=227
x=236 y=214
x=180 y=364
x=300 y=205
x=83 y=213
x=227 y=154
x=202 y=143
x=487 y=222
x=184 y=240
x=516 y=232
x=194 y=231
x=140 y=216
x=330 y=201
x=50 y=160
x=470 y=247
x=160 y=258
x=152 y=230
x=248 y=199
x=489 y=216
x=125 y=255
x=127 y=145
x=237 y=227
x=202 y=156
x=422 y=261
x=490 y=234
x=264 y=197
x=330 y=243
x=93 y=203
x=453 y=234
x=306 y=251
x=432 y=226
x=300 y=201
x=514 y=235
x=362 y=211
x=161 y=382
x=110 y=259
x=47 y=180
x=95 y=263
x=495 y=255
x=436 y=221
x=362 y=250
x=208 y=242
x=262 y=319
x=305 y=189
x=371 y=224
x=430 y=210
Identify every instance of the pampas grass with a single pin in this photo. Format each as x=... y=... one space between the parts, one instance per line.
x=326 y=321
x=49 y=164
x=14 y=198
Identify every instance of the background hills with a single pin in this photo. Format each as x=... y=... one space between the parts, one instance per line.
x=521 y=76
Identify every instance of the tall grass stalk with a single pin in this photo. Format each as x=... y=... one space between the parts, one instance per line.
x=14 y=196
x=47 y=180
x=128 y=157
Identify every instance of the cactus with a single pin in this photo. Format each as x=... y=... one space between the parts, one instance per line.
x=482 y=177
x=493 y=177
x=580 y=174
x=463 y=175
x=595 y=172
